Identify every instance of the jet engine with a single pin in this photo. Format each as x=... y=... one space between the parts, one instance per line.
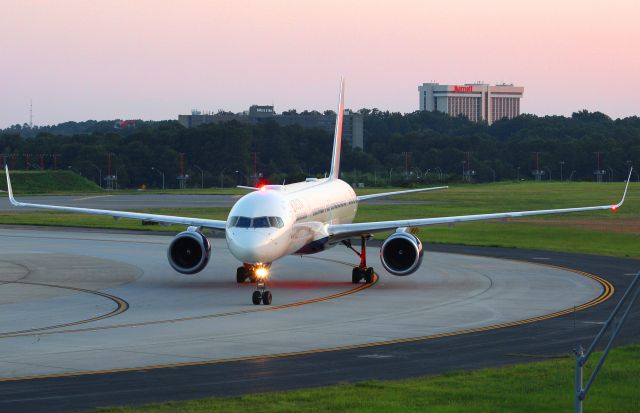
x=401 y=253
x=189 y=252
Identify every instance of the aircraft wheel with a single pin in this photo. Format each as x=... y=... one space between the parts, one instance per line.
x=368 y=275
x=241 y=275
x=356 y=275
x=266 y=297
x=256 y=297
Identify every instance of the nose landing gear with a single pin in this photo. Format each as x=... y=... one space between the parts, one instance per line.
x=258 y=274
x=261 y=294
x=361 y=272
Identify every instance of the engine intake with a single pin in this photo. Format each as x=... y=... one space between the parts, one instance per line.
x=401 y=253
x=189 y=252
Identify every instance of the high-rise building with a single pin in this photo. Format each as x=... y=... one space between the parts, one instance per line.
x=476 y=101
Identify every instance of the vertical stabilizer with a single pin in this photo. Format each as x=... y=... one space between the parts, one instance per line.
x=337 y=137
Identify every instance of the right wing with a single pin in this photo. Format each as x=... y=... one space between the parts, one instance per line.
x=163 y=219
x=409 y=191
x=338 y=232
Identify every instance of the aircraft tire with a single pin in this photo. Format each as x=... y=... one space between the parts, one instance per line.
x=368 y=275
x=241 y=275
x=356 y=275
x=266 y=297
x=256 y=298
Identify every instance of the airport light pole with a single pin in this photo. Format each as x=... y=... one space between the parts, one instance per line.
x=437 y=168
x=99 y=174
x=494 y=173
x=201 y=176
x=153 y=168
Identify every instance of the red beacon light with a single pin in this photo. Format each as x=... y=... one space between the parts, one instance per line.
x=614 y=208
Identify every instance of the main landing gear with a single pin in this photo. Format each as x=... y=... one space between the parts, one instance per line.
x=259 y=275
x=361 y=272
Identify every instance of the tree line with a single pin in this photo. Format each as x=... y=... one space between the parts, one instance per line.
x=400 y=149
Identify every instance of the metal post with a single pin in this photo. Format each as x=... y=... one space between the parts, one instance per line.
x=161 y=173
x=582 y=357
x=201 y=176
x=579 y=351
x=99 y=174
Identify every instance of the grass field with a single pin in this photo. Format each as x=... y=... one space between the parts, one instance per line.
x=545 y=386
x=602 y=232
x=48 y=182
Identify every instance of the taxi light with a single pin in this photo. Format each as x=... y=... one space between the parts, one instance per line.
x=262 y=273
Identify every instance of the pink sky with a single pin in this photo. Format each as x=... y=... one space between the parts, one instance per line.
x=155 y=59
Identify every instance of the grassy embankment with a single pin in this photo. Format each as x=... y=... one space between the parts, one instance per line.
x=545 y=386
x=602 y=232
x=48 y=182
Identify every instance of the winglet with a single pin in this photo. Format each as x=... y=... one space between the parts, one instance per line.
x=337 y=136
x=9 y=189
x=624 y=195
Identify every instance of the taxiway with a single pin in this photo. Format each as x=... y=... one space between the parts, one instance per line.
x=76 y=302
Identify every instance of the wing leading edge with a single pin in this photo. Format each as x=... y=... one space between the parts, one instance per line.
x=163 y=219
x=343 y=231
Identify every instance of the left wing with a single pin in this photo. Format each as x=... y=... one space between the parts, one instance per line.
x=163 y=219
x=408 y=191
x=339 y=232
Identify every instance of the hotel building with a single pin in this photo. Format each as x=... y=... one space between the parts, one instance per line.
x=476 y=101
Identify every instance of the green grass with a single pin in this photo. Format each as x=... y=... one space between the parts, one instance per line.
x=545 y=386
x=38 y=182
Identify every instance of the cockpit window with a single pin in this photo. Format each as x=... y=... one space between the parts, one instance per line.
x=257 y=222
x=260 y=222
x=243 y=222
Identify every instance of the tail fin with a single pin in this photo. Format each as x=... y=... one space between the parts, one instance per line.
x=337 y=137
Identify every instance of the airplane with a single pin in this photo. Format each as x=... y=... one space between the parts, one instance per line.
x=274 y=221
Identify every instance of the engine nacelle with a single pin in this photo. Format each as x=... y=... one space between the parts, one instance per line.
x=401 y=253
x=189 y=252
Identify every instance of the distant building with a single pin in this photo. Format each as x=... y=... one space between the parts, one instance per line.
x=123 y=124
x=352 y=130
x=476 y=101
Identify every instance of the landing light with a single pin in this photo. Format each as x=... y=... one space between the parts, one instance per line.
x=262 y=273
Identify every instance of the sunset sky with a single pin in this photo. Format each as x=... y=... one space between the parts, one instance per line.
x=156 y=59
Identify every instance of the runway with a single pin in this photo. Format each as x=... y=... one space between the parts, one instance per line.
x=75 y=303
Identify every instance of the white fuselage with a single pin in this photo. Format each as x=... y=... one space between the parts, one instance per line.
x=280 y=220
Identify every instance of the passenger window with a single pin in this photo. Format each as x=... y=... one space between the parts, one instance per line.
x=243 y=222
x=261 y=222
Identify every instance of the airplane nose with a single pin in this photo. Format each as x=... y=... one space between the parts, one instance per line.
x=250 y=246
